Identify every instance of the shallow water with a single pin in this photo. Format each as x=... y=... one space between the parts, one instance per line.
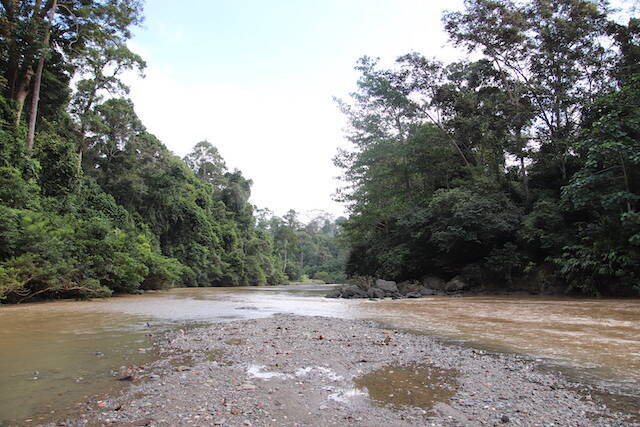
x=601 y=338
x=54 y=354
x=416 y=385
x=52 y=358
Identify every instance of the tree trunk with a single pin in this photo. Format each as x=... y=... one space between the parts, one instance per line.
x=284 y=267
x=83 y=127
x=35 y=97
x=626 y=181
x=525 y=182
x=21 y=93
x=19 y=76
x=81 y=152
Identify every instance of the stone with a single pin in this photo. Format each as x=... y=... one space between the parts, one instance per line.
x=386 y=285
x=457 y=284
x=433 y=282
x=353 y=292
x=375 y=293
x=142 y=422
x=427 y=292
x=337 y=293
x=414 y=295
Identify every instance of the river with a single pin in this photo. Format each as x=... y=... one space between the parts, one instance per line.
x=56 y=355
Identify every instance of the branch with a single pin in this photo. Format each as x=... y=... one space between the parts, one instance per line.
x=75 y=18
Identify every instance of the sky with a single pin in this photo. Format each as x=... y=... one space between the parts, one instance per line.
x=257 y=79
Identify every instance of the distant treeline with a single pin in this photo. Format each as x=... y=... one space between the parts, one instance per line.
x=91 y=203
x=518 y=169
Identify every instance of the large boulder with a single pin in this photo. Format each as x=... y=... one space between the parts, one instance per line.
x=434 y=282
x=457 y=284
x=387 y=285
x=353 y=292
x=414 y=295
x=375 y=293
x=336 y=293
x=427 y=292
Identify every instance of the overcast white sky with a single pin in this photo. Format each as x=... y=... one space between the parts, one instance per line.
x=256 y=78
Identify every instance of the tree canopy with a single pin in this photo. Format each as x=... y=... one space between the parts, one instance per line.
x=517 y=167
x=91 y=203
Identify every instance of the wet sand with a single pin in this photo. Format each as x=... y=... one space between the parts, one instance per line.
x=293 y=370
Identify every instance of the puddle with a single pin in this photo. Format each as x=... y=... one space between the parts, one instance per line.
x=417 y=385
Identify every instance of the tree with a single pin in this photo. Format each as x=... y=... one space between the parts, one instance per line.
x=518 y=166
x=100 y=67
x=80 y=31
x=207 y=163
x=604 y=194
x=555 y=49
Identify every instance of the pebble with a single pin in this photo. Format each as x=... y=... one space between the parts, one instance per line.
x=215 y=391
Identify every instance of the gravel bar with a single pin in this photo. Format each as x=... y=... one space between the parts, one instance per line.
x=300 y=371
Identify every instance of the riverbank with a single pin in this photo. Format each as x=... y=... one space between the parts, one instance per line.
x=292 y=370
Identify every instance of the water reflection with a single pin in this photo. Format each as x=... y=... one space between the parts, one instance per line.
x=416 y=385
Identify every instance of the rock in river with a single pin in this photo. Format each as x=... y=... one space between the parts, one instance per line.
x=375 y=293
x=433 y=282
x=413 y=295
x=353 y=292
x=334 y=294
x=457 y=284
x=386 y=285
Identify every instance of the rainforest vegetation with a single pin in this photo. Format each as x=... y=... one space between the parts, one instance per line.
x=91 y=203
x=520 y=165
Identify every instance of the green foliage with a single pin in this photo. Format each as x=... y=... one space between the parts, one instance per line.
x=61 y=176
x=305 y=250
x=543 y=228
x=603 y=196
x=40 y=257
x=465 y=226
x=490 y=168
x=323 y=276
x=100 y=205
x=527 y=156
x=16 y=192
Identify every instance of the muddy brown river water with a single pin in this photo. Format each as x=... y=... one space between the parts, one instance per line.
x=56 y=354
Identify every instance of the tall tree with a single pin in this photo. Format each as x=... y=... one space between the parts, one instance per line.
x=207 y=163
x=35 y=96
x=76 y=28
x=557 y=50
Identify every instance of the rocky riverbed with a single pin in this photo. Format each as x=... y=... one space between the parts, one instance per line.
x=429 y=286
x=292 y=370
